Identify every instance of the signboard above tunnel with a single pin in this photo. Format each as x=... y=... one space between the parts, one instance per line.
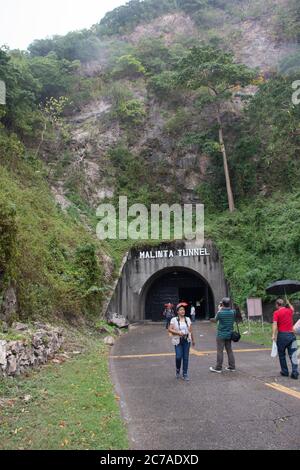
x=175 y=271
x=154 y=254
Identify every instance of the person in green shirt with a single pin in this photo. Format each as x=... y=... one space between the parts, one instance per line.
x=225 y=318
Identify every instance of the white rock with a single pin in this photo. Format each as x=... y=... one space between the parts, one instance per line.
x=109 y=340
x=20 y=327
x=118 y=320
x=11 y=365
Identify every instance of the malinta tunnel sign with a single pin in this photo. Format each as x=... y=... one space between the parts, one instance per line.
x=173 y=253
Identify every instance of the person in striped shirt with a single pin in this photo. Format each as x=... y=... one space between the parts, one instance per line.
x=225 y=318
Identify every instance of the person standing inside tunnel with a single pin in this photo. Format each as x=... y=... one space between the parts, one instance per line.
x=168 y=314
x=181 y=330
x=193 y=313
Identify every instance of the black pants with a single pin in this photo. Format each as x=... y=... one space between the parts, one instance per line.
x=287 y=342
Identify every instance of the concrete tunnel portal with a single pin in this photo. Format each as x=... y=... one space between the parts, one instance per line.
x=174 y=285
x=172 y=272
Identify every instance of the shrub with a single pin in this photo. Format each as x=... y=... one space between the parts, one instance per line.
x=128 y=66
x=178 y=123
x=8 y=235
x=131 y=112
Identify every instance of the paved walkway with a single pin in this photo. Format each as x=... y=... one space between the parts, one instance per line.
x=253 y=408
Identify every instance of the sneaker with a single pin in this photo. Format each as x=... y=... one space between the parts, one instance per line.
x=212 y=369
x=186 y=378
x=283 y=374
x=230 y=368
x=294 y=376
x=177 y=375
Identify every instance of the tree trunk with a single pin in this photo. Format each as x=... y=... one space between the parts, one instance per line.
x=225 y=163
x=42 y=139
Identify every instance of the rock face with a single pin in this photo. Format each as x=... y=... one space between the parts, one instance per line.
x=40 y=346
x=118 y=320
x=95 y=129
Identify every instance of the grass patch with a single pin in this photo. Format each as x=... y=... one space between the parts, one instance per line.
x=11 y=336
x=72 y=406
x=256 y=334
x=43 y=246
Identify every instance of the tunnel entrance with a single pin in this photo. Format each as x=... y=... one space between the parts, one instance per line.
x=179 y=285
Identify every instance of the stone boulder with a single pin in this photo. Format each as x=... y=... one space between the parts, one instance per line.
x=3 y=360
x=40 y=346
x=11 y=365
x=109 y=340
x=118 y=320
x=20 y=327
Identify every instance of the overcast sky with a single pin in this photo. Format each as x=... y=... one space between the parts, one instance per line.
x=22 y=21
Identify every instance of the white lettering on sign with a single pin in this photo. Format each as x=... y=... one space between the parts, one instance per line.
x=172 y=253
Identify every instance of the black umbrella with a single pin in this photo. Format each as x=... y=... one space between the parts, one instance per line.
x=285 y=287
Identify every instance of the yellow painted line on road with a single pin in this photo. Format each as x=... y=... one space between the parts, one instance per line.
x=141 y=356
x=251 y=350
x=194 y=352
x=204 y=353
x=281 y=388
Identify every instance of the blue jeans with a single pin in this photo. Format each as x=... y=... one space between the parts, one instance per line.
x=287 y=341
x=182 y=355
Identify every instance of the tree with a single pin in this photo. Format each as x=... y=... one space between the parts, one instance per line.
x=77 y=45
x=56 y=76
x=154 y=55
x=128 y=66
x=215 y=73
x=20 y=112
x=51 y=113
x=192 y=6
x=128 y=16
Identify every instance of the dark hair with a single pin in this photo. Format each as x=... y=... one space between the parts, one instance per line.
x=179 y=307
x=226 y=302
x=280 y=302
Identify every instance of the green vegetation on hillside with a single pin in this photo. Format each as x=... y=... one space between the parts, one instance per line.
x=50 y=256
x=263 y=144
x=126 y=17
x=260 y=243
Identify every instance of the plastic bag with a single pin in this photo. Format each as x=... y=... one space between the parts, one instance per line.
x=297 y=328
x=274 y=349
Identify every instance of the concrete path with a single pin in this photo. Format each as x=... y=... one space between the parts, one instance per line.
x=252 y=408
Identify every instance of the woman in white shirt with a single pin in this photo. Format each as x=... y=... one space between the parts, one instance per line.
x=181 y=329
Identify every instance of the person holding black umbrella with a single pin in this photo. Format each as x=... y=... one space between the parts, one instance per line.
x=283 y=334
